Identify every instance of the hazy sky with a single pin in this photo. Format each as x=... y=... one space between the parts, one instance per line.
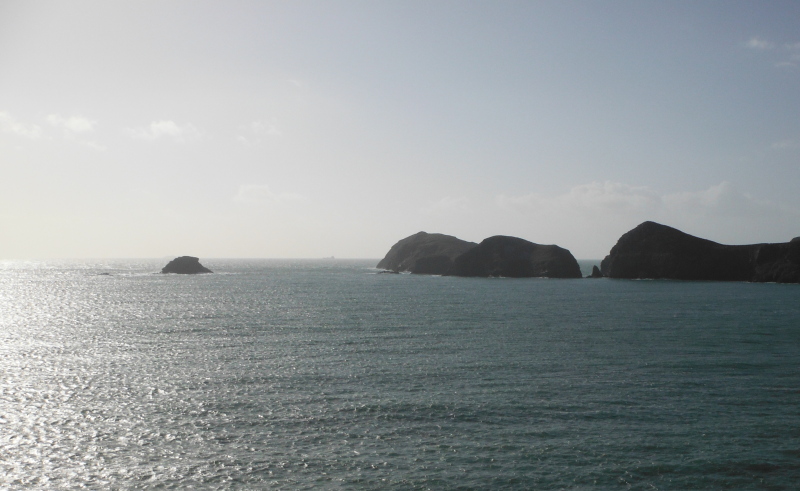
x=311 y=129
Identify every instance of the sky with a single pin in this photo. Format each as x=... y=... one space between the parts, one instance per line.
x=304 y=129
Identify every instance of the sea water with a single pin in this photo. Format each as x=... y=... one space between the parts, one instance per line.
x=325 y=374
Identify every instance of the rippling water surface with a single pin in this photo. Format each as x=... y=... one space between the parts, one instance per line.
x=323 y=374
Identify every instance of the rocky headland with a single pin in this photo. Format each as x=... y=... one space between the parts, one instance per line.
x=653 y=251
x=185 y=265
x=516 y=258
x=424 y=253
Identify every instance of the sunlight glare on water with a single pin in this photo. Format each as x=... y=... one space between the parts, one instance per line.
x=306 y=374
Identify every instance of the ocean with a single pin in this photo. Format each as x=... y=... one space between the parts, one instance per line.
x=322 y=374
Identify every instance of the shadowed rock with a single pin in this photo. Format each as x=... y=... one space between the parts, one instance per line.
x=595 y=273
x=516 y=258
x=652 y=250
x=185 y=265
x=424 y=253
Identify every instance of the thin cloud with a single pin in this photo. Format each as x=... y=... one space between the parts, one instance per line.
x=602 y=198
x=95 y=146
x=165 y=129
x=792 y=49
x=446 y=205
x=74 y=124
x=786 y=144
x=263 y=194
x=265 y=128
x=8 y=124
x=793 y=63
x=73 y=129
x=759 y=44
x=258 y=130
x=722 y=199
x=595 y=198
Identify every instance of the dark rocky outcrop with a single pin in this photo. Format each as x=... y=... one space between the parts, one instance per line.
x=424 y=253
x=185 y=265
x=516 y=258
x=595 y=273
x=652 y=250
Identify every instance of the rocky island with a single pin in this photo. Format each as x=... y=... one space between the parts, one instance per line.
x=424 y=253
x=595 y=273
x=654 y=251
x=516 y=258
x=185 y=265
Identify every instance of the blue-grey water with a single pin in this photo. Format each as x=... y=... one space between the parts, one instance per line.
x=323 y=374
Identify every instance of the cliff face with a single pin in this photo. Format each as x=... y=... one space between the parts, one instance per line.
x=185 y=265
x=424 y=253
x=652 y=250
x=777 y=262
x=516 y=258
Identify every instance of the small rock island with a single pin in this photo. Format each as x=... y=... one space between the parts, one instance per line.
x=185 y=265
x=595 y=273
x=655 y=251
x=439 y=254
